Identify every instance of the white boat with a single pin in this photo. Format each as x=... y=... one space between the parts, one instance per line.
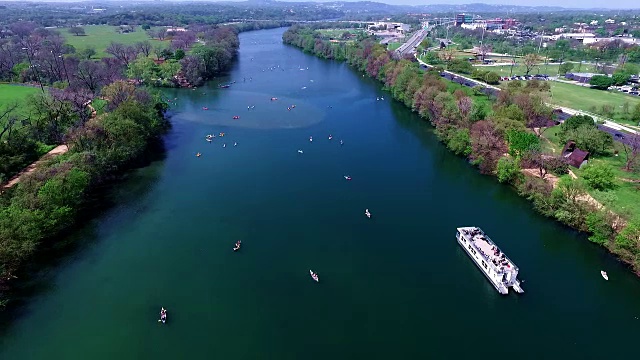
x=314 y=276
x=604 y=275
x=366 y=212
x=500 y=271
x=347 y=177
x=300 y=151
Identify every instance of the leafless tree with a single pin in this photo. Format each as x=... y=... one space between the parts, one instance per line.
x=125 y=54
x=144 y=47
x=631 y=150
x=8 y=119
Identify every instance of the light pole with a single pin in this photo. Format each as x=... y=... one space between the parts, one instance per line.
x=34 y=68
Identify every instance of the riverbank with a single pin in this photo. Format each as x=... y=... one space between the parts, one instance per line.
x=498 y=139
x=47 y=199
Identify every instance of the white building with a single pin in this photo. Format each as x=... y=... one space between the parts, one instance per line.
x=609 y=21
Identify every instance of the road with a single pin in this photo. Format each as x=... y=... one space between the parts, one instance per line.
x=621 y=133
x=409 y=46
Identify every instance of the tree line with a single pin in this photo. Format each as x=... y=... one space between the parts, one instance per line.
x=499 y=135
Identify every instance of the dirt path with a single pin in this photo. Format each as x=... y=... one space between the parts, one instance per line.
x=58 y=150
x=553 y=180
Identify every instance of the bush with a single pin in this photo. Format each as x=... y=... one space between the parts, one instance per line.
x=601 y=82
x=460 y=142
x=507 y=170
x=492 y=78
x=599 y=176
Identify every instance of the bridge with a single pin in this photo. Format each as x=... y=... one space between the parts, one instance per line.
x=409 y=47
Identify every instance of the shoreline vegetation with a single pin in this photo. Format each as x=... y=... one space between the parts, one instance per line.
x=106 y=113
x=503 y=135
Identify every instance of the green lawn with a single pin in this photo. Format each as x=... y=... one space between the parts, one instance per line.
x=584 y=98
x=518 y=69
x=100 y=36
x=625 y=198
x=10 y=94
x=337 y=33
x=393 y=45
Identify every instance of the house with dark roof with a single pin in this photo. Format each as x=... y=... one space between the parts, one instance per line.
x=574 y=156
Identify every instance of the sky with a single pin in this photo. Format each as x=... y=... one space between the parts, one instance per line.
x=581 y=4
x=584 y=4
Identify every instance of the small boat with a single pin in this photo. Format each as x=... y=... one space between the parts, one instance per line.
x=341 y=142
x=382 y=98
x=235 y=144
x=314 y=276
x=205 y=108
x=347 y=177
x=224 y=86
x=274 y=98
x=221 y=134
x=224 y=145
x=330 y=137
x=293 y=106
x=310 y=138
x=289 y=108
x=209 y=139
x=163 y=315
x=237 y=246
x=377 y=99
x=604 y=275
x=299 y=151
x=198 y=155
x=366 y=212
x=236 y=117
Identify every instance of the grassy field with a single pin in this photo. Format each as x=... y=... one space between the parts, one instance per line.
x=100 y=36
x=584 y=98
x=625 y=198
x=518 y=69
x=337 y=33
x=10 y=94
x=393 y=45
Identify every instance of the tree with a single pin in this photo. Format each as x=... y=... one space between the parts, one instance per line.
x=487 y=145
x=631 y=148
x=565 y=68
x=460 y=66
x=483 y=50
x=507 y=169
x=599 y=176
x=77 y=30
x=87 y=53
x=530 y=61
x=629 y=238
x=124 y=53
x=492 y=78
x=144 y=47
x=635 y=114
x=577 y=121
x=601 y=82
x=620 y=78
x=521 y=142
x=179 y=54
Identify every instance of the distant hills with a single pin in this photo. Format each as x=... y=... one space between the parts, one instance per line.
x=346 y=6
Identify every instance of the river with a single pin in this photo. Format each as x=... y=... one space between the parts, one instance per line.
x=396 y=286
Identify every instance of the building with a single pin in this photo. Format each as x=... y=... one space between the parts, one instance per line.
x=463 y=19
x=609 y=21
x=574 y=156
x=580 y=77
x=577 y=36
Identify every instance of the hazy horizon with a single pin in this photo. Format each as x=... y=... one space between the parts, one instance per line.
x=576 y=4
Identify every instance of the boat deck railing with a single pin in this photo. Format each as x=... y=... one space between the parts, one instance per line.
x=471 y=235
